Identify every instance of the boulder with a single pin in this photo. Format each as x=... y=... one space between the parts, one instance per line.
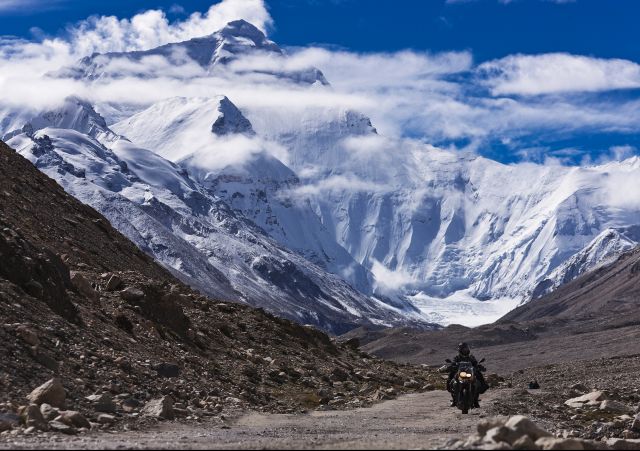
x=502 y=434
x=31 y=417
x=339 y=375
x=524 y=426
x=114 y=283
x=489 y=423
x=623 y=444
x=130 y=404
x=524 y=443
x=83 y=286
x=614 y=407
x=412 y=384
x=59 y=426
x=102 y=403
x=159 y=408
x=28 y=335
x=8 y=421
x=635 y=426
x=73 y=418
x=49 y=412
x=553 y=443
x=104 y=418
x=51 y=392
x=594 y=398
x=167 y=369
x=132 y=294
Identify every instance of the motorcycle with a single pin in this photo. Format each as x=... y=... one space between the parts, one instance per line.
x=464 y=384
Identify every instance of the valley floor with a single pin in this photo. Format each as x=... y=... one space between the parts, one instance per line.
x=414 y=421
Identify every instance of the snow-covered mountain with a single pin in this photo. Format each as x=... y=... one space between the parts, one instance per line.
x=212 y=55
x=306 y=209
x=191 y=231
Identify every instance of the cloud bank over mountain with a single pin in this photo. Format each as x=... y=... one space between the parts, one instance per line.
x=443 y=98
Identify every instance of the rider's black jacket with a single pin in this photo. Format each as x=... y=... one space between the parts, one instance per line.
x=468 y=358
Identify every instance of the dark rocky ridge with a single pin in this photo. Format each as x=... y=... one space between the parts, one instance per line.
x=78 y=301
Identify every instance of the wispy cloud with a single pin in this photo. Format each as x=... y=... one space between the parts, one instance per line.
x=29 y=7
x=558 y=72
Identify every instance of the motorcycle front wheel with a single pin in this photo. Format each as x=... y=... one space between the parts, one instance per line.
x=465 y=399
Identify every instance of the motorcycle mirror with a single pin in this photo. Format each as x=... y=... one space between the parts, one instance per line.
x=481 y=361
x=448 y=360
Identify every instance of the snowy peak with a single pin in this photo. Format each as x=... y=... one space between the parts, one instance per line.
x=74 y=114
x=177 y=127
x=239 y=37
x=212 y=54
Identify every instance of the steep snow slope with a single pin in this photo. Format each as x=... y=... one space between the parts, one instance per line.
x=603 y=250
x=244 y=172
x=75 y=114
x=431 y=222
x=195 y=234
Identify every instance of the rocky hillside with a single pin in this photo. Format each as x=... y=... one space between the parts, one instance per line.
x=122 y=342
x=611 y=290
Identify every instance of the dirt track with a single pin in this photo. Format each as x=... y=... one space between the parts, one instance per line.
x=417 y=421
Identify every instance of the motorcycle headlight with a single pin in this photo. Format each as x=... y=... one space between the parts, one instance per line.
x=463 y=374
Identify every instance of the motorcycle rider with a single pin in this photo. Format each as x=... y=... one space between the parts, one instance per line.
x=464 y=355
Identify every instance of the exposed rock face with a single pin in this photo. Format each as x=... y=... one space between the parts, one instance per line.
x=39 y=272
x=231 y=121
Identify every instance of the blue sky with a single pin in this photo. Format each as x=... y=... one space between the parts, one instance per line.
x=573 y=97
x=490 y=28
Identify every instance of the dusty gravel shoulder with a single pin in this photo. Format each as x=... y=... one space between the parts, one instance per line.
x=414 y=421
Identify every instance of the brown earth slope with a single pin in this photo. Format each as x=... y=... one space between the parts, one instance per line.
x=79 y=302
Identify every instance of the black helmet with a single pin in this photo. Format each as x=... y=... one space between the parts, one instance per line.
x=463 y=349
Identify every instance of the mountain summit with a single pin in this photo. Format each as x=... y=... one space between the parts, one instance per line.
x=213 y=54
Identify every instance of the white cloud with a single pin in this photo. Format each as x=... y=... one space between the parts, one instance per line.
x=557 y=73
x=431 y=97
x=152 y=28
x=336 y=183
x=389 y=281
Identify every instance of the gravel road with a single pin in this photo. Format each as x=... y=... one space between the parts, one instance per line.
x=416 y=421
